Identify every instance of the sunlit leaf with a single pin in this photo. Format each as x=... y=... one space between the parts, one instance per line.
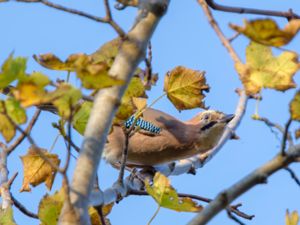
x=15 y=111
x=291 y=219
x=52 y=62
x=12 y=69
x=295 y=107
x=107 y=52
x=166 y=196
x=139 y=103
x=6 y=216
x=127 y=108
x=50 y=207
x=263 y=70
x=68 y=97
x=30 y=90
x=185 y=87
x=81 y=117
x=10 y=112
x=37 y=170
x=267 y=32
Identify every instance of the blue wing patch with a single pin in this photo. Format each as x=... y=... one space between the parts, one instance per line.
x=142 y=124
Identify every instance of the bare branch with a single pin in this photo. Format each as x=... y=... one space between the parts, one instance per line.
x=285 y=136
x=107 y=20
x=293 y=175
x=289 y=15
x=26 y=132
x=130 y=54
x=218 y=31
x=23 y=209
x=275 y=125
x=258 y=176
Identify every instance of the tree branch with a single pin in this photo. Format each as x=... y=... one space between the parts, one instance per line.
x=22 y=208
x=130 y=54
x=289 y=15
x=108 y=19
x=258 y=176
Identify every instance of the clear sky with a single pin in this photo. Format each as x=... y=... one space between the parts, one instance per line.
x=182 y=38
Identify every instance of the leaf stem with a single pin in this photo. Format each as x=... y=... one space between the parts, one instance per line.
x=154 y=215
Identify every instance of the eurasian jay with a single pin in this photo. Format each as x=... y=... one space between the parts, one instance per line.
x=173 y=140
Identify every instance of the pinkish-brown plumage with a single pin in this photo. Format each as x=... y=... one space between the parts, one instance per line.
x=177 y=139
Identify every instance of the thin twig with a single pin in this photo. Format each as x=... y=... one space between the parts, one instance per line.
x=218 y=31
x=106 y=20
x=289 y=14
x=26 y=131
x=285 y=136
x=232 y=217
x=275 y=125
x=293 y=175
x=124 y=157
x=22 y=208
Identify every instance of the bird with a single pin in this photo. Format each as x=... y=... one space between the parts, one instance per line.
x=163 y=138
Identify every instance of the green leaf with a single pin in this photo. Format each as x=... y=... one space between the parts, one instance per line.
x=263 y=70
x=12 y=69
x=6 y=217
x=15 y=111
x=185 y=87
x=267 y=32
x=295 y=106
x=50 y=207
x=68 y=98
x=166 y=196
x=81 y=117
x=107 y=52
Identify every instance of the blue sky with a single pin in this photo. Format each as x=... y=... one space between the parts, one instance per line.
x=182 y=38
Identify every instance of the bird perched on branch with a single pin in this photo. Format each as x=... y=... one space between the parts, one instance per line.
x=170 y=140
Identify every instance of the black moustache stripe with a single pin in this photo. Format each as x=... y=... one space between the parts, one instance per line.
x=209 y=125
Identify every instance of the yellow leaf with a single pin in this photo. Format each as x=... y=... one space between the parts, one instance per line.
x=15 y=111
x=185 y=87
x=37 y=170
x=295 y=107
x=7 y=129
x=7 y=217
x=127 y=108
x=107 y=52
x=266 y=31
x=297 y=133
x=291 y=219
x=263 y=70
x=166 y=196
x=139 y=103
x=52 y=62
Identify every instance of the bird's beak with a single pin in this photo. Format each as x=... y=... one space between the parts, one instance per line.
x=227 y=118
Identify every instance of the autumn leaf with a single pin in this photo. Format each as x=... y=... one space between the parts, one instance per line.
x=295 y=106
x=30 y=89
x=185 y=87
x=127 y=108
x=139 y=103
x=95 y=75
x=267 y=32
x=68 y=98
x=10 y=112
x=263 y=70
x=291 y=219
x=52 y=62
x=107 y=52
x=37 y=170
x=166 y=196
x=6 y=216
x=81 y=117
x=297 y=133
x=12 y=69
x=50 y=207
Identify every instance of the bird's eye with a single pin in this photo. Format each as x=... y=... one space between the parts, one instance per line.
x=206 y=117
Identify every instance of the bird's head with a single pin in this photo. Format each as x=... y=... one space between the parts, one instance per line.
x=210 y=125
